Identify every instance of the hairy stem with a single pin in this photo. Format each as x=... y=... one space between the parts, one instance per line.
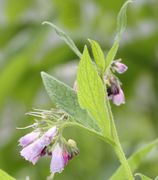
x=118 y=149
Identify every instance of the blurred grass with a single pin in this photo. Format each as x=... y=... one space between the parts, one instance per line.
x=27 y=47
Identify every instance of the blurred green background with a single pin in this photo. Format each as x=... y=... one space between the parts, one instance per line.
x=27 y=47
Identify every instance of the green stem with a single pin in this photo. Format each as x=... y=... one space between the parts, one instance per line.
x=118 y=149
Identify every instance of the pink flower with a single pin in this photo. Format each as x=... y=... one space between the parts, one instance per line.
x=29 y=138
x=61 y=155
x=60 y=158
x=35 y=150
x=48 y=136
x=120 y=67
x=116 y=94
x=119 y=98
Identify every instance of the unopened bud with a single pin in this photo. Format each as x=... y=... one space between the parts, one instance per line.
x=72 y=143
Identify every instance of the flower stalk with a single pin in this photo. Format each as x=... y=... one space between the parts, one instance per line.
x=117 y=147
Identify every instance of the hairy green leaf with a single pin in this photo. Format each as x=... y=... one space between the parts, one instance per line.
x=142 y=176
x=135 y=160
x=91 y=93
x=122 y=18
x=5 y=176
x=111 y=55
x=121 y=25
x=65 y=98
x=65 y=37
x=98 y=55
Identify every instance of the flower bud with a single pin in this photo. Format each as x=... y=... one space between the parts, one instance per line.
x=120 y=67
x=49 y=135
x=74 y=151
x=72 y=143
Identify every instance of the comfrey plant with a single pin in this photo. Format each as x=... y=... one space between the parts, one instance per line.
x=87 y=106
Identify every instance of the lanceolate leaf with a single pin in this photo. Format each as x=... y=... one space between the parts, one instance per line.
x=111 y=55
x=121 y=26
x=98 y=55
x=135 y=160
x=65 y=98
x=65 y=37
x=91 y=94
x=122 y=18
x=5 y=176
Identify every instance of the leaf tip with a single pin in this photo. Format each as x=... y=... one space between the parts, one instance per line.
x=46 y=22
x=89 y=40
x=50 y=24
x=127 y=2
x=43 y=74
x=85 y=48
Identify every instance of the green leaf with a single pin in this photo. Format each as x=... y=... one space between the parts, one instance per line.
x=65 y=37
x=91 y=93
x=65 y=98
x=98 y=55
x=122 y=18
x=143 y=177
x=121 y=26
x=111 y=55
x=135 y=160
x=5 y=176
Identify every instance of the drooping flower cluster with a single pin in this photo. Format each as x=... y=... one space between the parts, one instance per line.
x=39 y=143
x=114 y=91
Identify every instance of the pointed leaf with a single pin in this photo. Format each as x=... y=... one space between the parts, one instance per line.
x=65 y=37
x=111 y=55
x=65 y=98
x=135 y=160
x=91 y=94
x=122 y=18
x=98 y=55
x=5 y=176
x=121 y=26
x=143 y=177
